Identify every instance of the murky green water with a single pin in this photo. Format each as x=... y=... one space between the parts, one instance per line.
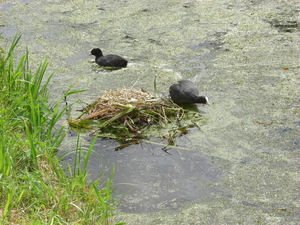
x=242 y=167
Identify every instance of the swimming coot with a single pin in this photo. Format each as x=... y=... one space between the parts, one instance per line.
x=185 y=92
x=108 y=60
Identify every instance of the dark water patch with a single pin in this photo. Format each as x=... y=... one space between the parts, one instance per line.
x=245 y=160
x=285 y=25
x=8 y=31
x=7 y=5
x=206 y=44
x=127 y=36
x=297 y=123
x=285 y=18
x=194 y=64
x=155 y=177
x=188 y=5
x=153 y=41
x=160 y=179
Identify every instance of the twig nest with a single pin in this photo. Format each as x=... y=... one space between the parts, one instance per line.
x=121 y=97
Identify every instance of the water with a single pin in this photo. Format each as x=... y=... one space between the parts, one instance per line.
x=241 y=166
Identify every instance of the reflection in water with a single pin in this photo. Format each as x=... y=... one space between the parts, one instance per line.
x=157 y=177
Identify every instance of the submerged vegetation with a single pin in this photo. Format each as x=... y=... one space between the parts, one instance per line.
x=34 y=188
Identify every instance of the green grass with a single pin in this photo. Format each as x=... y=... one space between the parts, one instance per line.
x=34 y=188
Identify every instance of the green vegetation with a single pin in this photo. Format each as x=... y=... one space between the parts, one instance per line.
x=129 y=116
x=34 y=188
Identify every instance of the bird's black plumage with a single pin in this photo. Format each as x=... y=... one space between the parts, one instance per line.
x=108 y=60
x=185 y=92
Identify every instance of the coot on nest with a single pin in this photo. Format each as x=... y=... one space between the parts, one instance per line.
x=185 y=92
x=108 y=60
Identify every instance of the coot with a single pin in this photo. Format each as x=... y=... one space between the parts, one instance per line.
x=108 y=60
x=185 y=92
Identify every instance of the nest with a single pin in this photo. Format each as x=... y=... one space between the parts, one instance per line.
x=112 y=103
x=127 y=109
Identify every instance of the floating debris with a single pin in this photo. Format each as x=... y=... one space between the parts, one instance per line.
x=126 y=113
x=132 y=109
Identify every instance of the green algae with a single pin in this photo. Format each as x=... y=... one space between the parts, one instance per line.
x=250 y=72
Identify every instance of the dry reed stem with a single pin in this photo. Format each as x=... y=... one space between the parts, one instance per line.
x=148 y=110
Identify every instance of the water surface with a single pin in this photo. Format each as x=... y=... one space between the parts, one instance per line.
x=242 y=165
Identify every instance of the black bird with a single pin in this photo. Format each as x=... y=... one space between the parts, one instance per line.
x=185 y=92
x=108 y=60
